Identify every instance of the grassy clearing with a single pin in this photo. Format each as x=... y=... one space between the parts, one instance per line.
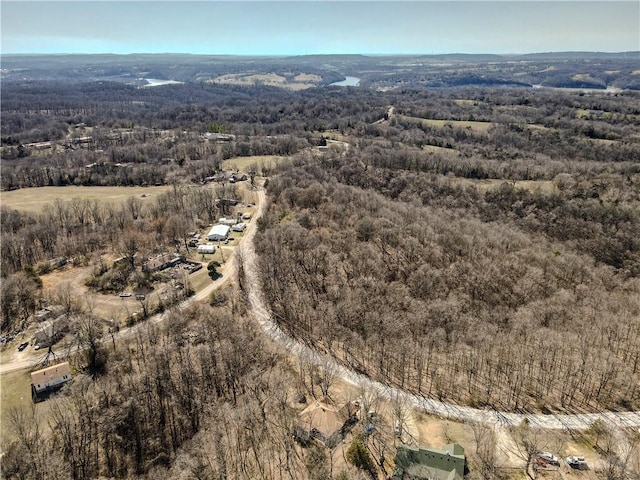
x=15 y=392
x=604 y=141
x=476 y=127
x=270 y=79
x=308 y=77
x=34 y=199
x=244 y=163
x=200 y=279
x=585 y=77
x=336 y=135
x=452 y=152
x=461 y=101
x=535 y=126
x=544 y=186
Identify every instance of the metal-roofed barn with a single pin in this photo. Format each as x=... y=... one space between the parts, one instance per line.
x=218 y=233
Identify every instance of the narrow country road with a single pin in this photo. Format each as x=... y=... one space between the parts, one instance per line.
x=443 y=409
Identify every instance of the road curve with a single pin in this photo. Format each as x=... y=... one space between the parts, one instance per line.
x=442 y=409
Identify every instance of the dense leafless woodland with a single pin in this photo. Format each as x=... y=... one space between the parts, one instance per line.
x=448 y=303
x=474 y=244
x=206 y=378
x=513 y=297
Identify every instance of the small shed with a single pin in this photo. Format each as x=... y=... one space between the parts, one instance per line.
x=206 y=248
x=218 y=233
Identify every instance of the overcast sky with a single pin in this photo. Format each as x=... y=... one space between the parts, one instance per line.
x=310 y=27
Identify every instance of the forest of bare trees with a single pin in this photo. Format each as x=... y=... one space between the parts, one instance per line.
x=190 y=380
x=140 y=137
x=459 y=296
x=474 y=245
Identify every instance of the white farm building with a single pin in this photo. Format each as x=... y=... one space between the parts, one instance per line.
x=206 y=248
x=218 y=233
x=48 y=379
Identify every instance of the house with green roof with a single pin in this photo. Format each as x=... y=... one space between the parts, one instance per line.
x=426 y=463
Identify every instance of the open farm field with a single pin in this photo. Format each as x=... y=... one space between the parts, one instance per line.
x=464 y=101
x=476 y=127
x=301 y=82
x=308 y=77
x=34 y=199
x=245 y=163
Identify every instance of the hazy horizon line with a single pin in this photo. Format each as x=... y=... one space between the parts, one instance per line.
x=398 y=54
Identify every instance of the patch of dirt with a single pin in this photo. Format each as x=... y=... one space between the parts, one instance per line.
x=429 y=430
x=105 y=306
x=507 y=450
x=308 y=77
x=75 y=276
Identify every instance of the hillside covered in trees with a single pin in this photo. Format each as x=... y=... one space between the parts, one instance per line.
x=466 y=296
x=499 y=269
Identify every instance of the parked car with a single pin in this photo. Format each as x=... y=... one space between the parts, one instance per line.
x=22 y=346
x=579 y=463
x=125 y=294
x=548 y=459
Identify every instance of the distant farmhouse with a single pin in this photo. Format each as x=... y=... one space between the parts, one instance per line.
x=427 y=463
x=49 y=379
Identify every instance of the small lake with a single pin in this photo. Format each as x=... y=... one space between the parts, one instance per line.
x=347 y=82
x=156 y=82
